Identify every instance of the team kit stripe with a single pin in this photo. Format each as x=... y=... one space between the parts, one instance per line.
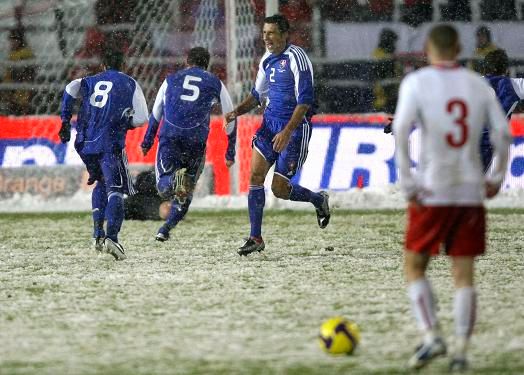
x=302 y=57
x=130 y=186
x=304 y=145
x=300 y=62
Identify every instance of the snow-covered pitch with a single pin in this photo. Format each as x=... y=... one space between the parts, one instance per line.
x=193 y=306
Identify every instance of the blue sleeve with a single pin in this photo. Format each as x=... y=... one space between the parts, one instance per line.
x=152 y=129
x=231 y=143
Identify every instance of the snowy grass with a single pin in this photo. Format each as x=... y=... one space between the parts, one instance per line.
x=193 y=306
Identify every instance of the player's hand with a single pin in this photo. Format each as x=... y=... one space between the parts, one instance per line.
x=491 y=189
x=230 y=116
x=416 y=198
x=229 y=163
x=388 y=128
x=65 y=132
x=281 y=140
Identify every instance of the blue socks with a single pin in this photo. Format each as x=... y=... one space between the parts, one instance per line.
x=301 y=194
x=178 y=212
x=115 y=214
x=256 y=201
x=98 y=203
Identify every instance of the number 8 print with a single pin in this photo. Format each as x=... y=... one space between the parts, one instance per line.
x=100 y=92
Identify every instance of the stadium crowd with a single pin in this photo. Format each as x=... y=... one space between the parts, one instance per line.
x=368 y=85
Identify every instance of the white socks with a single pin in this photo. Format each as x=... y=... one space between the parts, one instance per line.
x=464 y=312
x=423 y=307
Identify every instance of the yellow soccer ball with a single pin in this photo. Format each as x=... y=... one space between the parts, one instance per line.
x=339 y=336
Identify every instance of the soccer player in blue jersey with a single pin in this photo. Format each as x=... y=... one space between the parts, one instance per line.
x=111 y=104
x=509 y=91
x=285 y=83
x=185 y=101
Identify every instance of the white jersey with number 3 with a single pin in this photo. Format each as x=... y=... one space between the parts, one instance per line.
x=450 y=105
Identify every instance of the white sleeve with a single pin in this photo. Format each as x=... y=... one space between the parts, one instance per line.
x=405 y=116
x=73 y=88
x=261 y=85
x=141 y=113
x=158 y=107
x=518 y=86
x=225 y=99
x=500 y=139
x=227 y=106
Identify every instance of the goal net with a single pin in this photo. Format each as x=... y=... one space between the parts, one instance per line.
x=65 y=40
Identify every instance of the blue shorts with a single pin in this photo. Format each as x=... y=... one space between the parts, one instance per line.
x=112 y=168
x=180 y=152
x=289 y=161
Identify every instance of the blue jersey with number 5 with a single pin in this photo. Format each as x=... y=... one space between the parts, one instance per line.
x=109 y=100
x=184 y=101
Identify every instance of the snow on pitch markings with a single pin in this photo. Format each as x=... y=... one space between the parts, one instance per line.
x=191 y=305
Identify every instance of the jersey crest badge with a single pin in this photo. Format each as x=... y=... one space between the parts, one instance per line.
x=282 y=66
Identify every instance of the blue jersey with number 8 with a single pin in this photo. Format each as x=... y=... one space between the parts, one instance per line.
x=111 y=103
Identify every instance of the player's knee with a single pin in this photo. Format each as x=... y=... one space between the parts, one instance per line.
x=280 y=189
x=256 y=179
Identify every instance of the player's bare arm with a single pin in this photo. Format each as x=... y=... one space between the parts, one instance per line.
x=281 y=140
x=247 y=105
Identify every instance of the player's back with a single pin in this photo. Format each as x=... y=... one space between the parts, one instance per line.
x=188 y=99
x=453 y=106
x=102 y=123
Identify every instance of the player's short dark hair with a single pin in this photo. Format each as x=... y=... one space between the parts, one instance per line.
x=113 y=59
x=496 y=63
x=281 y=22
x=199 y=56
x=444 y=37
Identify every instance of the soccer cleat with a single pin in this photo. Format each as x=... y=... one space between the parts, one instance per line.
x=458 y=364
x=115 y=249
x=323 y=213
x=163 y=234
x=251 y=246
x=98 y=244
x=181 y=185
x=425 y=353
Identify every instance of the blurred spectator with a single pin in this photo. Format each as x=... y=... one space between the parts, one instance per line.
x=387 y=70
x=498 y=10
x=338 y=10
x=387 y=44
x=456 y=10
x=115 y=11
x=299 y=13
x=483 y=46
x=18 y=102
x=416 y=12
x=381 y=10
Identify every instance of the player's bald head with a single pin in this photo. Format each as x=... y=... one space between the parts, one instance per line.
x=444 y=40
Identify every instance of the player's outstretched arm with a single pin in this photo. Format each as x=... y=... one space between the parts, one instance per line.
x=247 y=105
x=71 y=93
x=154 y=120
